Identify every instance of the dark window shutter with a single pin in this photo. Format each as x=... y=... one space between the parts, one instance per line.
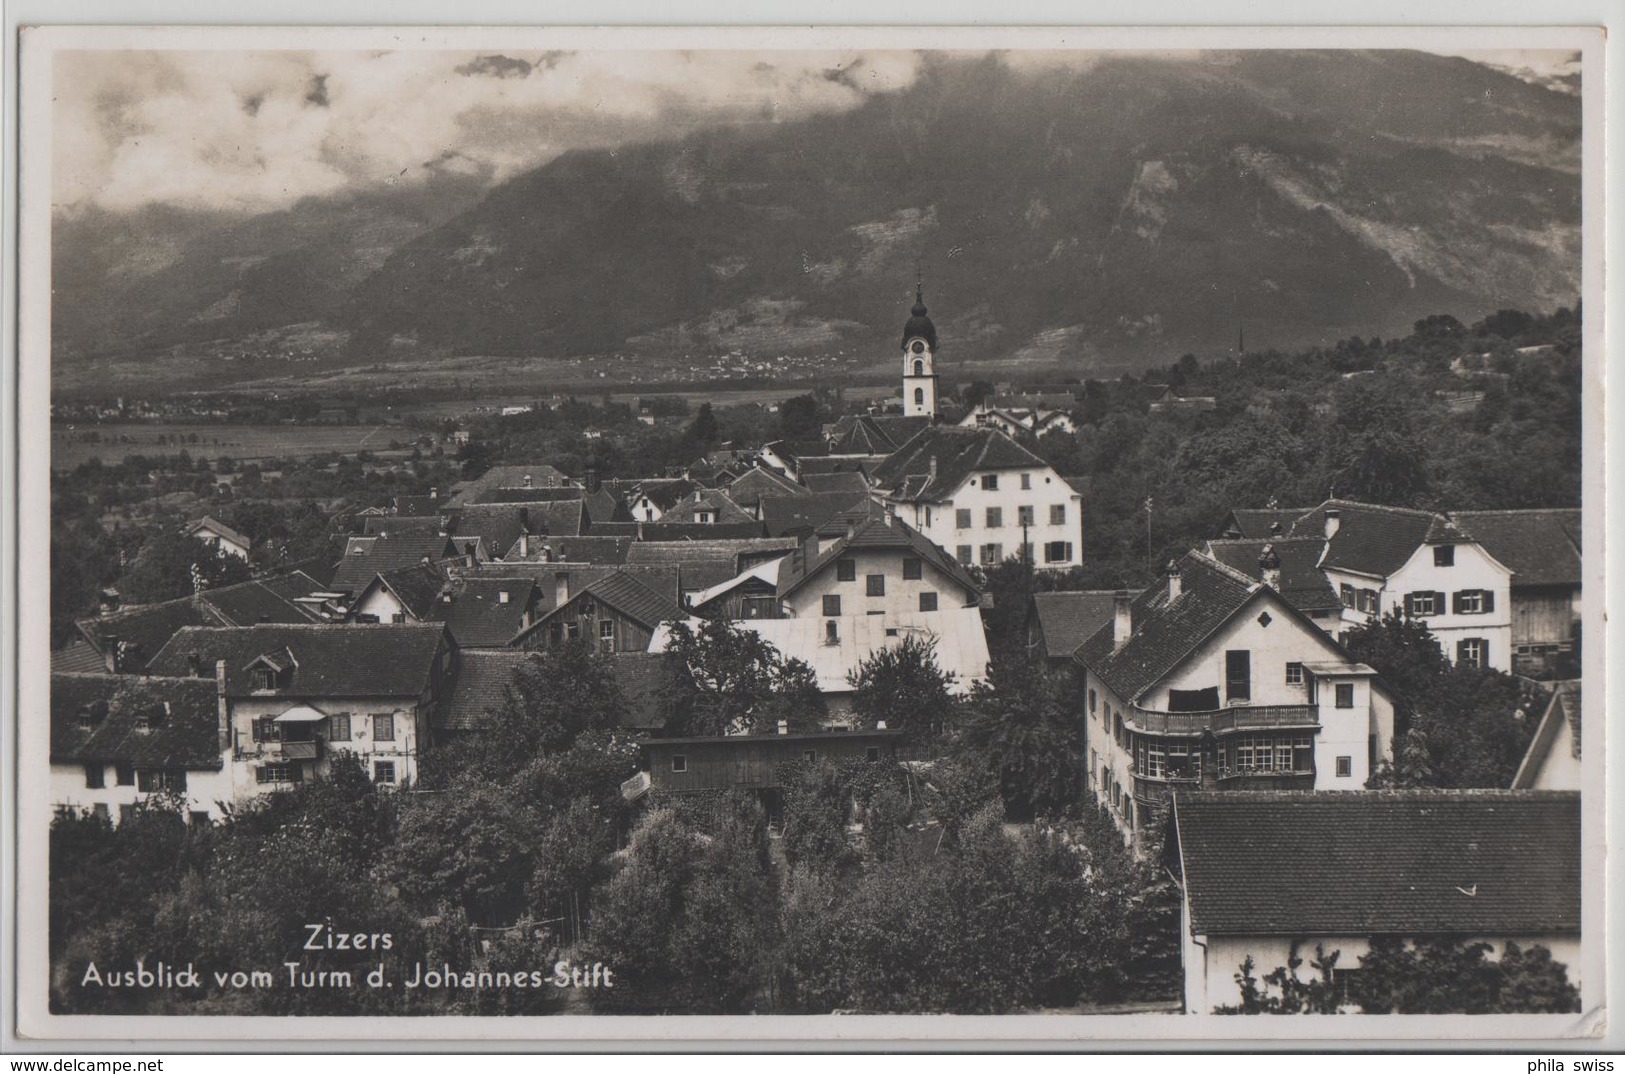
x=1489 y=600
x=1456 y=607
x=1461 y=650
x=1410 y=604
x=1439 y=603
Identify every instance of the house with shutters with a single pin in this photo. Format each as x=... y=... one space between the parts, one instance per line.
x=1260 y=872
x=1382 y=560
x=295 y=696
x=1542 y=549
x=984 y=497
x=1213 y=679
x=117 y=740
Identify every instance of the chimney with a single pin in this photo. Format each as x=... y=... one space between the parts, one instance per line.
x=640 y=529
x=1334 y=522
x=194 y=665
x=1275 y=528
x=561 y=588
x=524 y=544
x=880 y=725
x=1269 y=567
x=891 y=513
x=592 y=479
x=1175 y=582
x=527 y=481
x=933 y=471
x=434 y=492
x=111 y=653
x=784 y=727
x=524 y=516
x=1122 y=619
x=222 y=709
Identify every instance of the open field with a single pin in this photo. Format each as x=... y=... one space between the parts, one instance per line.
x=71 y=446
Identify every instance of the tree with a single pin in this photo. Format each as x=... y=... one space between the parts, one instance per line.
x=801 y=418
x=703 y=430
x=1022 y=724
x=162 y=570
x=904 y=686
x=737 y=683
x=1318 y=995
x=471 y=846
x=975 y=392
x=1402 y=650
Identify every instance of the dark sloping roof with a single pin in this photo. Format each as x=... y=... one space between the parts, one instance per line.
x=873 y=533
x=593 y=548
x=144 y=628
x=417 y=588
x=760 y=481
x=792 y=451
x=1302 y=583
x=722 y=509
x=187 y=736
x=635 y=600
x=1068 y=618
x=348 y=660
x=800 y=516
x=77 y=656
x=957 y=452
x=859 y=435
x=1260 y=522
x=1368 y=863
x=846 y=483
x=365 y=557
x=480 y=688
x=377 y=525
x=1164 y=632
x=416 y=505
x=478 y=617
x=530 y=495
x=727 y=553
x=500 y=524
x=1371 y=538
x=699 y=531
x=605 y=506
x=663 y=492
x=1542 y=547
x=837 y=464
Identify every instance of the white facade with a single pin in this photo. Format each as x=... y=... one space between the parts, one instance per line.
x=386 y=733
x=873 y=569
x=919 y=378
x=206 y=790
x=982 y=522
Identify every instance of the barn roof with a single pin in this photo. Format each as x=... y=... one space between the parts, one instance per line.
x=1542 y=547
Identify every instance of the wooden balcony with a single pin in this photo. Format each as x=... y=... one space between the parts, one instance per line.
x=308 y=750
x=1222 y=721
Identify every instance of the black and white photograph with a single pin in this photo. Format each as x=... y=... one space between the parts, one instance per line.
x=535 y=528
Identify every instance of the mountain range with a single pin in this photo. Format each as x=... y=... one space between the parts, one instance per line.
x=1101 y=217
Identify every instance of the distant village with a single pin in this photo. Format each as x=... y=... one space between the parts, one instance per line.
x=1222 y=721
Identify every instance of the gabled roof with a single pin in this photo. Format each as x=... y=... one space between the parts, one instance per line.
x=1261 y=522
x=759 y=481
x=186 y=736
x=480 y=688
x=605 y=506
x=767 y=572
x=1559 y=729
x=417 y=588
x=957 y=454
x=379 y=525
x=663 y=492
x=418 y=506
x=619 y=590
x=500 y=524
x=794 y=451
x=800 y=516
x=837 y=464
x=1374 y=539
x=478 y=617
x=1303 y=584
x=1369 y=863
x=860 y=435
x=727 y=552
x=348 y=660
x=592 y=548
x=849 y=483
x=726 y=512
x=219 y=528
x=365 y=557
x=798 y=568
x=1542 y=547
x=1165 y=633
x=1069 y=618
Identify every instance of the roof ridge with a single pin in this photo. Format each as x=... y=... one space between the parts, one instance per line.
x=1225 y=570
x=1390 y=508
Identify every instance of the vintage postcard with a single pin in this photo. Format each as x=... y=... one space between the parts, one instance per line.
x=581 y=534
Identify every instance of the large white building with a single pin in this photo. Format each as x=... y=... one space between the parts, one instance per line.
x=984 y=497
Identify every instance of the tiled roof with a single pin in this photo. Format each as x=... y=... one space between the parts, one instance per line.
x=410 y=506
x=592 y=548
x=1371 y=538
x=1068 y=618
x=500 y=524
x=1166 y=633
x=797 y=569
x=1542 y=547
x=605 y=506
x=187 y=736
x=698 y=531
x=1249 y=522
x=663 y=492
x=793 y=450
x=958 y=453
x=845 y=483
x=349 y=660
x=727 y=552
x=724 y=510
x=530 y=495
x=378 y=525
x=77 y=656
x=1368 y=863
x=800 y=516
x=1562 y=714
x=760 y=481
x=478 y=617
x=144 y=628
x=837 y=464
x=365 y=557
x=417 y=587
x=635 y=600
x=1302 y=583
x=860 y=435
x=480 y=688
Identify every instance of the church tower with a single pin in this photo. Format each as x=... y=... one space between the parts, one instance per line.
x=920 y=361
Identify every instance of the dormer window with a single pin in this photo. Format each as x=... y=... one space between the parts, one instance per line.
x=1444 y=555
x=502 y=596
x=265 y=678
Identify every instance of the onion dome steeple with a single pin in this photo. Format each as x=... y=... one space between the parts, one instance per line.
x=919 y=326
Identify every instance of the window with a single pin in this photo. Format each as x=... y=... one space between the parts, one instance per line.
x=1026 y=481
x=99 y=811
x=572 y=631
x=1423 y=604
x=760 y=607
x=832 y=604
x=148 y=780
x=1474 y=602
x=95 y=776
x=679 y=762
x=832 y=632
x=846 y=570
x=124 y=774
x=875 y=585
x=809 y=756
x=964 y=554
x=962 y=518
x=1238 y=674
x=1472 y=653
x=198 y=818
x=992 y=554
x=705 y=517
x=1294 y=674
x=1368 y=600
x=1444 y=555
x=398 y=617
x=1057 y=514
x=912 y=569
x=383 y=771
x=1093 y=699
x=126 y=813
x=928 y=602
x=338 y=727
x=990 y=482
x=1024 y=516
x=265 y=729
x=265 y=679
x=995 y=517
x=1345 y=695
x=919 y=367
x=919 y=396
x=278 y=773
x=872 y=753
x=606 y=635
x=1345 y=767
x=1346 y=591
x=1057 y=551
x=383 y=728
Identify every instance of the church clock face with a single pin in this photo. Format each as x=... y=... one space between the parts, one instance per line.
x=918 y=347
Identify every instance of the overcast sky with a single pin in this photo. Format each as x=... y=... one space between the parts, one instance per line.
x=257 y=131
